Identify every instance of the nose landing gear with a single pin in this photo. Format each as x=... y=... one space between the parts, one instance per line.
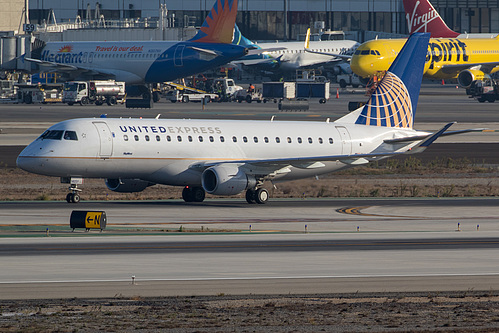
x=73 y=197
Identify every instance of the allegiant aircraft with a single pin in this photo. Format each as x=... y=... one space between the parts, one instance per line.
x=466 y=59
x=142 y=62
x=228 y=157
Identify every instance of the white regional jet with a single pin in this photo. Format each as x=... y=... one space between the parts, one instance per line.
x=227 y=157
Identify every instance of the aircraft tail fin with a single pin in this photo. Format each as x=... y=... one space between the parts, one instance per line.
x=394 y=101
x=218 y=26
x=240 y=40
x=422 y=17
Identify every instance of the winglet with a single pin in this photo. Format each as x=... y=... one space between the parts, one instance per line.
x=422 y=17
x=394 y=101
x=218 y=26
x=307 y=40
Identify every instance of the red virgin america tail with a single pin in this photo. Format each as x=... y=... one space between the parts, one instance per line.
x=422 y=17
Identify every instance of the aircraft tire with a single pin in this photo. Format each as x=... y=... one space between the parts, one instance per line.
x=197 y=194
x=187 y=194
x=75 y=198
x=69 y=197
x=261 y=196
x=250 y=196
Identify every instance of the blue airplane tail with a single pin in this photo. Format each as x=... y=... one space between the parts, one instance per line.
x=219 y=24
x=394 y=102
x=240 y=40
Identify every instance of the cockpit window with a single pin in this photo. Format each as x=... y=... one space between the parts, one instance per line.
x=364 y=52
x=70 y=135
x=357 y=52
x=51 y=135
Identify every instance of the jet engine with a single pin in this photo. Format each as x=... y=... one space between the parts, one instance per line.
x=127 y=185
x=466 y=77
x=226 y=179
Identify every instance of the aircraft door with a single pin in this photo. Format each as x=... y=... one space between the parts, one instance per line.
x=106 y=139
x=177 y=57
x=346 y=142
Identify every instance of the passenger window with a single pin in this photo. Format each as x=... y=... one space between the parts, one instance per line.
x=211 y=139
x=245 y=139
x=179 y=138
x=331 y=140
x=289 y=139
x=168 y=138
x=158 y=138
x=125 y=137
x=255 y=139
x=222 y=139
x=277 y=139
x=234 y=139
x=310 y=140
x=147 y=137
x=200 y=138
x=266 y=139
x=136 y=137
x=189 y=138
x=320 y=140
x=299 y=140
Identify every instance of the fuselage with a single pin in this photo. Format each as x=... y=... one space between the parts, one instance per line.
x=293 y=55
x=142 y=61
x=446 y=58
x=168 y=151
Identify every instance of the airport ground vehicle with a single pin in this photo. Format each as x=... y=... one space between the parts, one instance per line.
x=186 y=96
x=225 y=89
x=345 y=80
x=39 y=93
x=98 y=92
x=249 y=96
x=484 y=90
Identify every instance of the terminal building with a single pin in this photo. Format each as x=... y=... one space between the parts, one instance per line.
x=275 y=19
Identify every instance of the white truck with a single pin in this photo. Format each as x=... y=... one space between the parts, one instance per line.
x=226 y=89
x=348 y=80
x=98 y=92
x=185 y=96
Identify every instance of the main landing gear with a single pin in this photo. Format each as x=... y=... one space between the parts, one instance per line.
x=259 y=195
x=193 y=194
x=73 y=197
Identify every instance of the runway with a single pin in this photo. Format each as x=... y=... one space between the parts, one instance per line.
x=399 y=245
x=291 y=246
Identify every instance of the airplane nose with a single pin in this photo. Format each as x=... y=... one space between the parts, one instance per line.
x=361 y=66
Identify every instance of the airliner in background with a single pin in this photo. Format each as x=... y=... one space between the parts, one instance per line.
x=142 y=62
x=228 y=157
x=448 y=58
x=422 y=17
x=287 y=57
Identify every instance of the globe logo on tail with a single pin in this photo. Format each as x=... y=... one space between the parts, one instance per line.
x=389 y=106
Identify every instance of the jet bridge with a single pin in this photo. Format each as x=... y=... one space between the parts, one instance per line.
x=13 y=50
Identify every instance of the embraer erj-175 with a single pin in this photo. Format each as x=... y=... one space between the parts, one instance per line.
x=287 y=57
x=141 y=62
x=227 y=157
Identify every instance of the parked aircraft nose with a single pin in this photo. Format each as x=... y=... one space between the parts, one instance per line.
x=362 y=65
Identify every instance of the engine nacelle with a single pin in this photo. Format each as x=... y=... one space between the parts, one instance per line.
x=466 y=77
x=226 y=179
x=127 y=185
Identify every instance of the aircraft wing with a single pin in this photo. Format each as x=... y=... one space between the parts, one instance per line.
x=280 y=165
x=257 y=62
x=340 y=57
x=47 y=66
x=486 y=67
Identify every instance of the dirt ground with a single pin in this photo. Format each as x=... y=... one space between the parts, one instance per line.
x=413 y=312
x=471 y=311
